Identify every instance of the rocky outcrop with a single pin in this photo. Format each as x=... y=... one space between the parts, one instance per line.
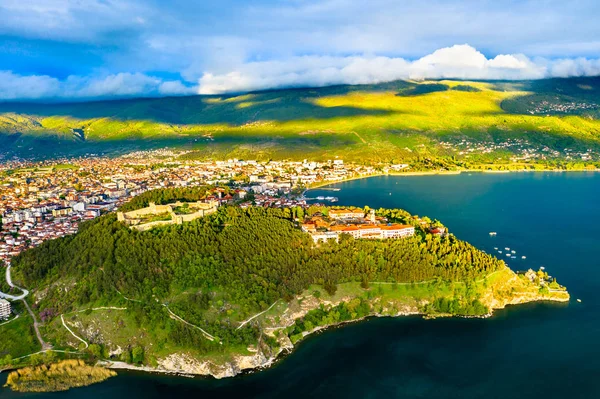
x=510 y=289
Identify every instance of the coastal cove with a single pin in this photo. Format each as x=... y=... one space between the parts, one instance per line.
x=411 y=357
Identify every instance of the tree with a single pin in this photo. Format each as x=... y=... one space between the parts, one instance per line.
x=137 y=355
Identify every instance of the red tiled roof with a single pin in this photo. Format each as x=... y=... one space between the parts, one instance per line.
x=397 y=227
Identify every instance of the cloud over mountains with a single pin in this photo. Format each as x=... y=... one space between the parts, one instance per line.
x=458 y=62
x=73 y=49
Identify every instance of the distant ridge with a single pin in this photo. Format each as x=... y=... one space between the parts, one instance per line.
x=393 y=119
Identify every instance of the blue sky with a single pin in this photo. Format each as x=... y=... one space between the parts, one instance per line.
x=81 y=49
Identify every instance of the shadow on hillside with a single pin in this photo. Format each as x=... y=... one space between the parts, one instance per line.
x=275 y=105
x=39 y=147
x=422 y=89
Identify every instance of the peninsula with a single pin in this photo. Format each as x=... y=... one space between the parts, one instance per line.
x=234 y=288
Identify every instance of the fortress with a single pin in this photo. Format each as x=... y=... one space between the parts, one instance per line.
x=160 y=215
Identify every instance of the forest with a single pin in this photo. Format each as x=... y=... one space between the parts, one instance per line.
x=216 y=270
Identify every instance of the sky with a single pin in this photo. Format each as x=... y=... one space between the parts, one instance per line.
x=90 y=49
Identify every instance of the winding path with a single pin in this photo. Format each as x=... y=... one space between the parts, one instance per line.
x=44 y=344
x=71 y=331
x=10 y=283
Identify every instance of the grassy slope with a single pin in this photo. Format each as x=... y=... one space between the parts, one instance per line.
x=116 y=328
x=390 y=121
x=18 y=338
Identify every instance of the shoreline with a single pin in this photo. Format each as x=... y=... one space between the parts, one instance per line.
x=284 y=352
x=319 y=185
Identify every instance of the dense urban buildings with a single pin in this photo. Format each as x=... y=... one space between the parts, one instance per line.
x=45 y=200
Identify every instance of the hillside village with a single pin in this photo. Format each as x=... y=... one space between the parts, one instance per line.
x=49 y=199
x=520 y=150
x=46 y=200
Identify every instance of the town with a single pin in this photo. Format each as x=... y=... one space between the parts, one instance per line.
x=518 y=150
x=46 y=200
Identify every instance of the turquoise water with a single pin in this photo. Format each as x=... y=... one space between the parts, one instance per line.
x=541 y=350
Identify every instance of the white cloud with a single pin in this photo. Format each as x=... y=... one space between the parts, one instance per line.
x=36 y=87
x=575 y=67
x=459 y=62
x=175 y=88
x=13 y=87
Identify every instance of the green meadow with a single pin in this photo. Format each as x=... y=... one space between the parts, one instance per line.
x=388 y=122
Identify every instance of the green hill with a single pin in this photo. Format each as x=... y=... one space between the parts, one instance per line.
x=232 y=290
x=385 y=122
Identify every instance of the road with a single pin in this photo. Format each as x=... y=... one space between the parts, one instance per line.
x=44 y=344
x=10 y=283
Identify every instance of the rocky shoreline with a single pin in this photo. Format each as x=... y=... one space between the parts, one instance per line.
x=184 y=365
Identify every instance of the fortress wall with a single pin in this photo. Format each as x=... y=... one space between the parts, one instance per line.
x=148 y=226
x=151 y=210
x=199 y=214
x=130 y=217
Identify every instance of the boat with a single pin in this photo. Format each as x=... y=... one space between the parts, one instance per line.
x=507 y=254
x=523 y=257
x=513 y=251
x=578 y=300
x=542 y=268
x=513 y=257
x=496 y=248
x=499 y=252
x=321 y=198
x=507 y=249
x=493 y=233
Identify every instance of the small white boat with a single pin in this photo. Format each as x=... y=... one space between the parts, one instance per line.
x=493 y=233
x=578 y=300
x=523 y=257
x=513 y=257
x=507 y=249
x=499 y=252
x=496 y=248
x=513 y=251
x=507 y=254
x=542 y=268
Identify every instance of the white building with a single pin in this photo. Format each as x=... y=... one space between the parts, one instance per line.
x=4 y=309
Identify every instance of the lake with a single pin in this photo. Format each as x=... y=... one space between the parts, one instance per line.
x=540 y=350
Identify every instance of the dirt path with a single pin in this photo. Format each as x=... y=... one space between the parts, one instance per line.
x=45 y=346
x=71 y=331
x=361 y=139
x=95 y=309
x=174 y=316
x=256 y=315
